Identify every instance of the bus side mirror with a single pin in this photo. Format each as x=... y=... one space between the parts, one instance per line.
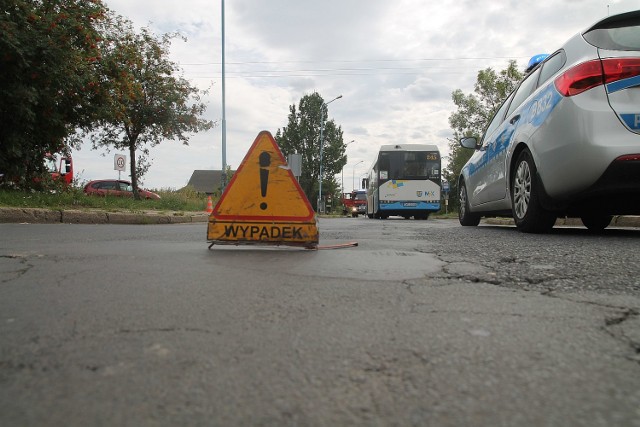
x=365 y=183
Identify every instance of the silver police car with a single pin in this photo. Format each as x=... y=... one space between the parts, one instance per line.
x=566 y=142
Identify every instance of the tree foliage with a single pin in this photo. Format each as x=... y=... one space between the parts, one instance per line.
x=71 y=68
x=474 y=111
x=302 y=135
x=146 y=101
x=49 y=78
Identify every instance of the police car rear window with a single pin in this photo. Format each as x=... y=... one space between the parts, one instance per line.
x=619 y=35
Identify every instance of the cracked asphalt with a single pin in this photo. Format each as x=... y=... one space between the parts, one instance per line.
x=423 y=323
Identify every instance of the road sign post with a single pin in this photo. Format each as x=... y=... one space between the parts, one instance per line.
x=120 y=163
x=445 y=190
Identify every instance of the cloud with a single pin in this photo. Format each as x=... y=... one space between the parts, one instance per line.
x=395 y=63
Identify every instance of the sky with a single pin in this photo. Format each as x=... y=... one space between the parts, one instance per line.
x=395 y=63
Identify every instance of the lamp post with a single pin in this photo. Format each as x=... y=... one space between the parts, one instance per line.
x=324 y=104
x=353 y=178
x=223 y=178
x=345 y=146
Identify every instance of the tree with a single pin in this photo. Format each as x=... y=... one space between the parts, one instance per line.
x=49 y=59
x=146 y=102
x=302 y=135
x=474 y=113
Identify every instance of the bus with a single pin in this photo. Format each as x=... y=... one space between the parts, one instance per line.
x=404 y=180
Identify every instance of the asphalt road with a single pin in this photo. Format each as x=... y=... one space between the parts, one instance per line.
x=423 y=323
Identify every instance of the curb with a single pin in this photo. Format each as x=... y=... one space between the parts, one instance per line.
x=71 y=216
x=52 y=216
x=617 y=221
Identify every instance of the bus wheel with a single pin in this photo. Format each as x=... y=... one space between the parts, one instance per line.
x=422 y=216
x=370 y=216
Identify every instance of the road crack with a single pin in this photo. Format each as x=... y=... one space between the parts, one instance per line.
x=10 y=271
x=621 y=325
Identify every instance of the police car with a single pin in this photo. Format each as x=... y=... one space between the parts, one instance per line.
x=566 y=142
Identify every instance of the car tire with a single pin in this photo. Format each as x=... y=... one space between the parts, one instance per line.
x=528 y=213
x=596 y=222
x=465 y=216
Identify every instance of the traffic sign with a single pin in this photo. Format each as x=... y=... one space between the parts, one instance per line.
x=119 y=162
x=263 y=203
x=445 y=186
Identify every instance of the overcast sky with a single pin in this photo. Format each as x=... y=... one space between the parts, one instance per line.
x=395 y=63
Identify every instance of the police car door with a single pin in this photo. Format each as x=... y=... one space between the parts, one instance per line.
x=482 y=163
x=504 y=138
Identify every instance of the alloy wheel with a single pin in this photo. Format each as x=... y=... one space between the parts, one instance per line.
x=463 y=201
x=522 y=189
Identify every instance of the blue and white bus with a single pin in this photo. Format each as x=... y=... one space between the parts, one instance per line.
x=404 y=180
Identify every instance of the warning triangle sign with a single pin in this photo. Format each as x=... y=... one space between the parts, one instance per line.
x=263 y=202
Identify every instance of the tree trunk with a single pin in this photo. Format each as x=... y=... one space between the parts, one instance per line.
x=132 y=168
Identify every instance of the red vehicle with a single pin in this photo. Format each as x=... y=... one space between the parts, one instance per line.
x=116 y=187
x=60 y=167
x=355 y=203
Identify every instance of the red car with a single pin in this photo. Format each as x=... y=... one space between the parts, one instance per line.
x=115 y=187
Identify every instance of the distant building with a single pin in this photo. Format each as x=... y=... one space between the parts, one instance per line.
x=207 y=181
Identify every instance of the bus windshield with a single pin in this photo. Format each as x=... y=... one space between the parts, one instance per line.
x=419 y=165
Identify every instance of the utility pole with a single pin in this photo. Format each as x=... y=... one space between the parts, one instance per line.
x=224 y=117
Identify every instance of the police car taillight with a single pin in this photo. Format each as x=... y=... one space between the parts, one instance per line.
x=616 y=69
x=580 y=78
x=594 y=73
x=629 y=158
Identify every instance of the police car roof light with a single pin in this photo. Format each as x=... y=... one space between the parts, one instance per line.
x=535 y=60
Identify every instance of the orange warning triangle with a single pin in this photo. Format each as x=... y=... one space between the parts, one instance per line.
x=263 y=188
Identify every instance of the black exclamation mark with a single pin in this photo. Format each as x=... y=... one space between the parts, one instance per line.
x=265 y=161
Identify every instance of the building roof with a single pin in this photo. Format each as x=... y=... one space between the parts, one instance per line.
x=206 y=181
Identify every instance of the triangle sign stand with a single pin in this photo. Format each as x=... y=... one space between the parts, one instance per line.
x=263 y=203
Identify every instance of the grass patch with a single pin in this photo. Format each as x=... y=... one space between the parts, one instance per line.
x=184 y=200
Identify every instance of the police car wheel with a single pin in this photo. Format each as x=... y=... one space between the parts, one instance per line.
x=528 y=213
x=596 y=222
x=465 y=216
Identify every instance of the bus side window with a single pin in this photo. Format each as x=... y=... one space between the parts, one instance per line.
x=385 y=165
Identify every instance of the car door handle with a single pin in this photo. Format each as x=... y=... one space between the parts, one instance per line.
x=514 y=119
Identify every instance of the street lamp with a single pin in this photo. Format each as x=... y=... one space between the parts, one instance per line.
x=345 y=146
x=324 y=104
x=354 y=174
